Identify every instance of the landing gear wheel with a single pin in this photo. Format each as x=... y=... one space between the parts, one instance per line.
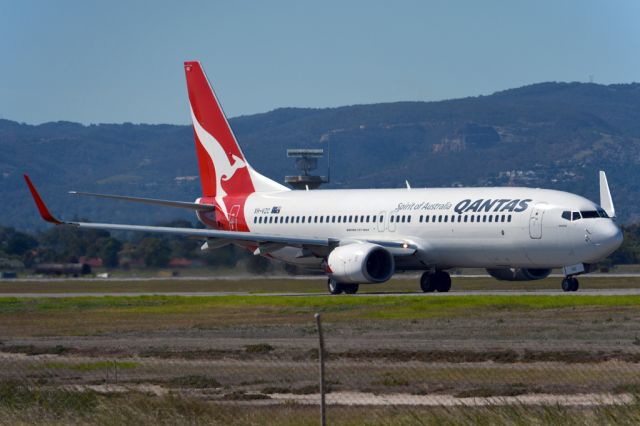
x=428 y=282
x=350 y=288
x=570 y=284
x=575 y=284
x=443 y=281
x=334 y=286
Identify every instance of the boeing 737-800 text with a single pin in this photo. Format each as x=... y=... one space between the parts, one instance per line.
x=364 y=236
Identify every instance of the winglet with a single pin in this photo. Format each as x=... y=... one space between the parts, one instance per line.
x=605 y=196
x=42 y=208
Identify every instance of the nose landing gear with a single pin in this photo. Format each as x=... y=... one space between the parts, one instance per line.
x=570 y=284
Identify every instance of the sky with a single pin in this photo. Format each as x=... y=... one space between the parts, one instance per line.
x=121 y=61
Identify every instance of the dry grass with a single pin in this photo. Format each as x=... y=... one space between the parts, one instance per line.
x=33 y=406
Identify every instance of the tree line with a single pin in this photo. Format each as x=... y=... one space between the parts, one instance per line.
x=66 y=244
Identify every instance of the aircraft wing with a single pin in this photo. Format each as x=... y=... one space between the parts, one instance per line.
x=231 y=236
x=264 y=241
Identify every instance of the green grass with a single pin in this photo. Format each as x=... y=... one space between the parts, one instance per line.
x=95 y=315
x=396 y=307
x=400 y=283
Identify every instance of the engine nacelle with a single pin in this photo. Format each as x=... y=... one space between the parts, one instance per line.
x=519 y=274
x=361 y=263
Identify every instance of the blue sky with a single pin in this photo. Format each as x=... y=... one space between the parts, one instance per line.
x=117 y=61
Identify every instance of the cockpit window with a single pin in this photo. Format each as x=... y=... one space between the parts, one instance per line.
x=576 y=216
x=602 y=213
x=590 y=214
x=566 y=215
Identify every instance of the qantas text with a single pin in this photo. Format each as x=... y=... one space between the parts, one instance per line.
x=489 y=205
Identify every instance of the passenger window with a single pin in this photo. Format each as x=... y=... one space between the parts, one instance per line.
x=339 y=219
x=566 y=215
x=333 y=219
x=460 y=219
x=327 y=219
x=403 y=218
x=350 y=219
x=355 y=219
x=381 y=218
x=391 y=219
x=361 y=218
x=472 y=217
x=489 y=218
x=502 y=218
x=420 y=219
x=409 y=219
x=575 y=216
x=465 y=219
x=446 y=218
x=433 y=218
x=302 y=219
x=509 y=218
x=374 y=218
x=440 y=218
x=281 y=219
x=484 y=218
x=367 y=218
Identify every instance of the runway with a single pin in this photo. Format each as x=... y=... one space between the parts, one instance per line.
x=452 y=293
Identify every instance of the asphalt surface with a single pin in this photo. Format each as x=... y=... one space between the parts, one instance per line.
x=452 y=293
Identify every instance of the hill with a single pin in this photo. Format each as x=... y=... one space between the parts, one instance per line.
x=554 y=135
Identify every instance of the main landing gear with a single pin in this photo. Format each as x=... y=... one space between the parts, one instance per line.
x=338 y=288
x=570 y=283
x=435 y=281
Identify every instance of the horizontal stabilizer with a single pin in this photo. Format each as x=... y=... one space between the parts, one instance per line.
x=167 y=203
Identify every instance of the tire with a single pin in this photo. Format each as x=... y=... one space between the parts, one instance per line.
x=443 y=281
x=350 y=288
x=567 y=283
x=575 y=284
x=334 y=287
x=428 y=282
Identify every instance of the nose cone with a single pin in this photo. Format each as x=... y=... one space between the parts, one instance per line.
x=609 y=237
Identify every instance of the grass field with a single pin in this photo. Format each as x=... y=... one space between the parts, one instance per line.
x=225 y=359
x=400 y=284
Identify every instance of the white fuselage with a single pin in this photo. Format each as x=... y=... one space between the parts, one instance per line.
x=451 y=227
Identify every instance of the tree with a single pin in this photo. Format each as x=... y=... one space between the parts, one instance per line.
x=108 y=252
x=154 y=251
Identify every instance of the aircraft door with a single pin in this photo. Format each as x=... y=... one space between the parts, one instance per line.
x=233 y=217
x=380 y=221
x=535 y=221
x=391 y=223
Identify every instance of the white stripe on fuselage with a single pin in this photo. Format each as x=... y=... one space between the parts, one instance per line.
x=446 y=244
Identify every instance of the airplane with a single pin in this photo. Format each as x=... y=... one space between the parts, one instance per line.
x=364 y=236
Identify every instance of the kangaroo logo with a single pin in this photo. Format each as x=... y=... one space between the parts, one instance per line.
x=224 y=170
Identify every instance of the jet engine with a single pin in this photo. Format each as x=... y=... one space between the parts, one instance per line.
x=361 y=263
x=519 y=274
